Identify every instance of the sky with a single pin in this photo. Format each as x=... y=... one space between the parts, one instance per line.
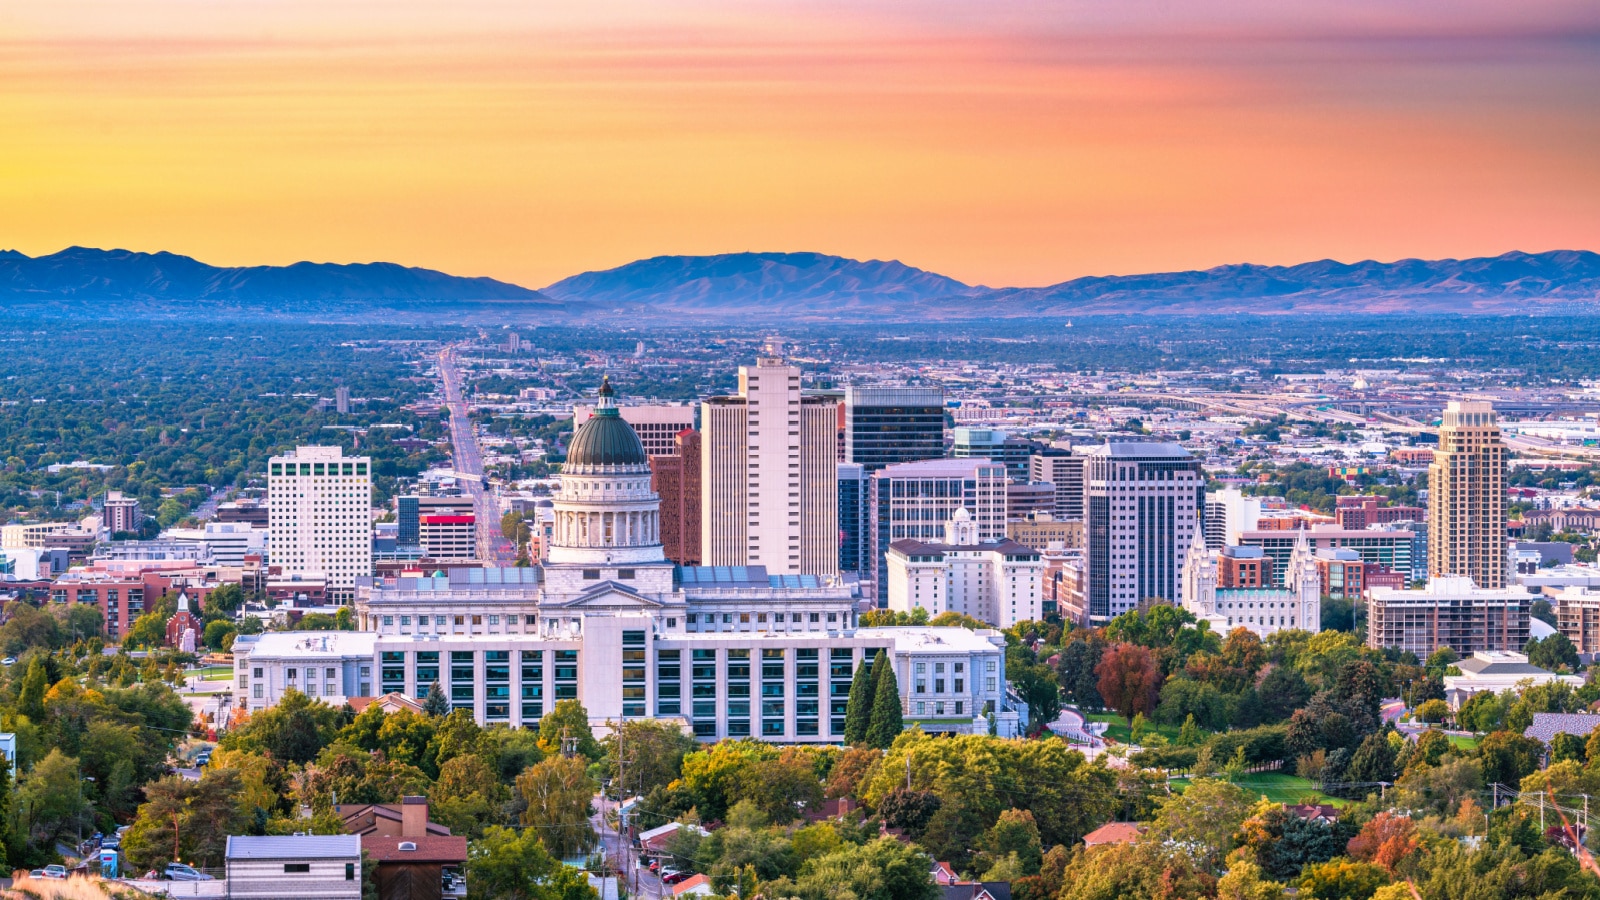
x=999 y=142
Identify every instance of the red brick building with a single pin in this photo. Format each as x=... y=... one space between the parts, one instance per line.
x=1360 y=513
x=676 y=479
x=1244 y=567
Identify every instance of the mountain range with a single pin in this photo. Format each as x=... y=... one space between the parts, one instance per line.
x=774 y=287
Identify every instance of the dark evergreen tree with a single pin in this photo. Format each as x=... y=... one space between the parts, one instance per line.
x=436 y=704
x=858 y=712
x=887 y=719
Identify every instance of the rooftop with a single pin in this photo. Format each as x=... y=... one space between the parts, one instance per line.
x=741 y=576
x=1142 y=450
x=937 y=468
x=294 y=846
x=330 y=644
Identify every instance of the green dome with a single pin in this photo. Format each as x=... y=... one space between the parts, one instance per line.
x=606 y=440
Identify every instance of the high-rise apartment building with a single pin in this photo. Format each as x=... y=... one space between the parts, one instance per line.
x=769 y=475
x=1063 y=469
x=657 y=425
x=1143 y=504
x=676 y=479
x=914 y=500
x=1467 y=497
x=341 y=399
x=888 y=424
x=320 y=504
x=119 y=513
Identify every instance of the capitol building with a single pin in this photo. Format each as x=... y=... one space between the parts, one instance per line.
x=607 y=620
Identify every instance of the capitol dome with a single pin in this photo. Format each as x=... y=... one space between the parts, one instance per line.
x=605 y=440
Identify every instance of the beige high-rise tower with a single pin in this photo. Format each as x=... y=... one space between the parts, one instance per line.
x=769 y=475
x=1467 y=496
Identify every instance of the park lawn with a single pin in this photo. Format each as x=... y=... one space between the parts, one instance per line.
x=1279 y=787
x=1122 y=733
x=1462 y=742
x=214 y=673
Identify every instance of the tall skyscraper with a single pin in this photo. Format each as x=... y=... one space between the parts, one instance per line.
x=989 y=443
x=119 y=513
x=1467 y=496
x=888 y=424
x=855 y=532
x=341 y=399
x=914 y=500
x=1143 y=506
x=321 y=515
x=1064 y=469
x=769 y=475
x=676 y=478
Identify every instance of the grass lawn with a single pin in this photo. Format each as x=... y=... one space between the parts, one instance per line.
x=1121 y=733
x=1462 y=742
x=214 y=673
x=1280 y=787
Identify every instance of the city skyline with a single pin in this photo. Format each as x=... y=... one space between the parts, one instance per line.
x=1019 y=144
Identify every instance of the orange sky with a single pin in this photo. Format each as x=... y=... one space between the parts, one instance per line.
x=1003 y=143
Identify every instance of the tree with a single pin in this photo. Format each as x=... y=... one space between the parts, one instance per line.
x=204 y=813
x=782 y=786
x=1245 y=880
x=909 y=811
x=557 y=792
x=1075 y=669
x=654 y=752
x=436 y=704
x=1129 y=679
x=1507 y=757
x=1206 y=815
x=467 y=797
x=1554 y=652
x=1283 y=690
x=1014 y=836
x=49 y=799
x=1372 y=762
x=294 y=730
x=1433 y=711
x=1342 y=879
x=30 y=702
x=568 y=720
x=217 y=633
x=858 y=710
x=1143 y=870
x=505 y=865
x=1386 y=840
x=884 y=869
x=1189 y=734
x=887 y=719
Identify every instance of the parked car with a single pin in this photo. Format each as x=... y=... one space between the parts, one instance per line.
x=55 y=871
x=673 y=876
x=181 y=872
x=8 y=661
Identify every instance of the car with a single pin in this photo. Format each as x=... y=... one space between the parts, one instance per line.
x=181 y=872
x=674 y=877
x=8 y=661
x=111 y=842
x=55 y=871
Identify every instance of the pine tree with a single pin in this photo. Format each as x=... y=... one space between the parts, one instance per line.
x=887 y=721
x=1189 y=734
x=436 y=704
x=34 y=684
x=858 y=712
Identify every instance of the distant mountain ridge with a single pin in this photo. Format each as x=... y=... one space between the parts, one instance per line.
x=777 y=287
x=85 y=273
x=771 y=282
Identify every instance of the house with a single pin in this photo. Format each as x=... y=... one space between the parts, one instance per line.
x=1546 y=726
x=943 y=874
x=390 y=703
x=1113 y=833
x=654 y=842
x=1321 y=813
x=1497 y=671
x=417 y=859
x=835 y=809
x=693 y=886
x=303 y=866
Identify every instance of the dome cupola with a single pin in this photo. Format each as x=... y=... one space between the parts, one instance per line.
x=605 y=440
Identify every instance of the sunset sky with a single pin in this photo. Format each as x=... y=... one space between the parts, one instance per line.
x=1003 y=143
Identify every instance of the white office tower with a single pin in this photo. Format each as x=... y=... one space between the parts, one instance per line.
x=320 y=508
x=1143 y=505
x=1228 y=514
x=606 y=512
x=769 y=475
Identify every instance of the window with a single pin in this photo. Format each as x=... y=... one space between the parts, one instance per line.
x=349 y=871
x=297 y=867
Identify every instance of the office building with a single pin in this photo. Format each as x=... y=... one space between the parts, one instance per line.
x=1062 y=469
x=1357 y=513
x=1142 y=507
x=1040 y=529
x=1389 y=549
x=1343 y=573
x=1229 y=513
x=888 y=424
x=855 y=523
x=1450 y=612
x=1577 y=612
x=247 y=511
x=1243 y=567
x=120 y=514
x=341 y=399
x=1254 y=605
x=769 y=475
x=912 y=501
x=1014 y=453
x=1467 y=497
x=1066 y=584
x=224 y=543
x=1023 y=500
x=1000 y=582
x=657 y=425
x=320 y=505
x=733 y=651
x=676 y=480
x=439 y=528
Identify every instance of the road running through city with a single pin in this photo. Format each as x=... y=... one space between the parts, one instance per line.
x=493 y=548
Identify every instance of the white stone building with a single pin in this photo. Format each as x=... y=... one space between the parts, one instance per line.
x=320 y=515
x=998 y=582
x=1263 y=610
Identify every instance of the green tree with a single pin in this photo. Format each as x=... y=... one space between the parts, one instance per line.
x=467 y=797
x=293 y=731
x=1342 y=879
x=858 y=711
x=1507 y=758
x=568 y=719
x=1015 y=836
x=218 y=633
x=1245 y=880
x=50 y=803
x=505 y=865
x=1205 y=816
x=884 y=869
x=887 y=719
x=1189 y=734
x=1143 y=870
x=436 y=704
x=1552 y=653
x=205 y=813
x=557 y=794
x=30 y=701
x=653 y=752
x=910 y=811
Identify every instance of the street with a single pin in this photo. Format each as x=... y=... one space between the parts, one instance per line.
x=493 y=548
x=641 y=881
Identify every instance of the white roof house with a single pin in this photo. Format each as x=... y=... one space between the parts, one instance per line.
x=305 y=866
x=1497 y=671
